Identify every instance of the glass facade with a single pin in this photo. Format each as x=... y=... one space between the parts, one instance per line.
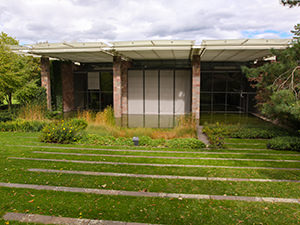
x=93 y=90
x=225 y=89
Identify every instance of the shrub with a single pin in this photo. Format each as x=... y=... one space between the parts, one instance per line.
x=191 y=143
x=258 y=132
x=284 y=143
x=22 y=125
x=6 y=116
x=63 y=132
x=216 y=133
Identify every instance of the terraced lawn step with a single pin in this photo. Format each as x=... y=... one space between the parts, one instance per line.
x=151 y=164
x=233 y=143
x=157 y=176
x=164 y=157
x=35 y=218
x=150 y=194
x=152 y=151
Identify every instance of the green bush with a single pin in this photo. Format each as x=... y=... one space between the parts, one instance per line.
x=284 y=143
x=6 y=116
x=22 y=125
x=63 y=132
x=191 y=143
x=216 y=133
x=258 y=132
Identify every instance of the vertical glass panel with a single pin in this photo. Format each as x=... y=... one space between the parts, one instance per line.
x=233 y=102
x=151 y=92
x=205 y=102
x=106 y=100
x=135 y=120
x=93 y=81
x=219 y=81
x=206 y=82
x=166 y=121
x=182 y=91
x=166 y=92
x=106 y=82
x=80 y=83
x=94 y=100
x=218 y=102
x=151 y=121
x=234 y=82
x=135 y=92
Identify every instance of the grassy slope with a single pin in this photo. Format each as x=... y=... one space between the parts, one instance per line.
x=148 y=210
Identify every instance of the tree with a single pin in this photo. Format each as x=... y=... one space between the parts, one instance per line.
x=15 y=70
x=278 y=83
x=290 y=3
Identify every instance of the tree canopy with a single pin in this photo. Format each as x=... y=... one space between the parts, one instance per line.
x=278 y=83
x=16 y=71
x=290 y=3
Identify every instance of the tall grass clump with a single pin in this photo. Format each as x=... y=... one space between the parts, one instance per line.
x=32 y=112
x=186 y=127
x=105 y=118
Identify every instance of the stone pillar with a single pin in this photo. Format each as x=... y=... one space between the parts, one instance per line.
x=117 y=95
x=67 y=77
x=45 y=79
x=196 y=78
x=120 y=71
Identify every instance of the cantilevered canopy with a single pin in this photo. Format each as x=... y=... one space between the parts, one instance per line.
x=154 y=50
x=78 y=52
x=239 y=50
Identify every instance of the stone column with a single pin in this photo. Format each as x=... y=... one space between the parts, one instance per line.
x=67 y=77
x=196 y=78
x=120 y=71
x=117 y=81
x=45 y=79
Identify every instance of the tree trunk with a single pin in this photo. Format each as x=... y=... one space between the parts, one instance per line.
x=9 y=101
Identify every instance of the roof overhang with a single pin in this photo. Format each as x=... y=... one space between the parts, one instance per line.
x=74 y=51
x=238 y=50
x=154 y=50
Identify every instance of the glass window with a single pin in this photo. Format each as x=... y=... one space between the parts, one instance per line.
x=219 y=82
x=106 y=82
x=218 y=102
x=234 y=82
x=205 y=102
x=206 y=82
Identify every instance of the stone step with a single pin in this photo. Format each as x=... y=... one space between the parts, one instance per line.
x=157 y=176
x=150 y=194
x=152 y=164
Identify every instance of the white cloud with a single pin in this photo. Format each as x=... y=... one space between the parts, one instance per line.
x=111 y=20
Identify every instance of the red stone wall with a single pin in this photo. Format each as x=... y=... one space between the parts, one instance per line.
x=45 y=79
x=196 y=78
x=120 y=69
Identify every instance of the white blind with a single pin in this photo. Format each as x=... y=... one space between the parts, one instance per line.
x=93 y=81
x=182 y=91
x=151 y=92
x=166 y=92
x=135 y=92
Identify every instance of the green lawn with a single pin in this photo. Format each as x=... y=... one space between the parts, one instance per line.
x=149 y=209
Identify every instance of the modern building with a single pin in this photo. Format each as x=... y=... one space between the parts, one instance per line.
x=150 y=82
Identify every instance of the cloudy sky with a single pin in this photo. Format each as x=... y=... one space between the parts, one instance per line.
x=32 y=21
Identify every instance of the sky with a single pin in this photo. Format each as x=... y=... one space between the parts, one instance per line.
x=32 y=21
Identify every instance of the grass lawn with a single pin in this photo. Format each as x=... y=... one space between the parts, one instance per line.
x=149 y=209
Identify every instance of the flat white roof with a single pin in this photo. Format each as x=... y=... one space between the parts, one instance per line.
x=241 y=50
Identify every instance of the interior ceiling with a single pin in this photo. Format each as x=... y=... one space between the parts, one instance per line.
x=241 y=50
